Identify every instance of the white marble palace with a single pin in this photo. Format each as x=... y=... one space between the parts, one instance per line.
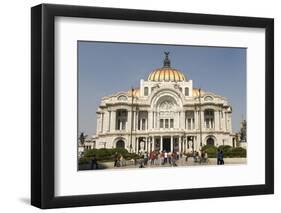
x=165 y=113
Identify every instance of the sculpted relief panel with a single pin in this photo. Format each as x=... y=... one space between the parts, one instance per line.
x=167 y=107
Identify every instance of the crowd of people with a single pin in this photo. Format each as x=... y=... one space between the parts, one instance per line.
x=160 y=158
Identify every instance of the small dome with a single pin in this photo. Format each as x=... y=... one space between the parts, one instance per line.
x=166 y=73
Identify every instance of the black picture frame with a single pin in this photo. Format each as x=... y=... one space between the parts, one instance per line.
x=43 y=105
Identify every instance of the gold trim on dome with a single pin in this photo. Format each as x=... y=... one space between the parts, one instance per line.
x=166 y=74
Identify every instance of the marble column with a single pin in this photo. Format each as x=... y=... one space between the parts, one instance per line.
x=152 y=119
x=182 y=120
x=225 y=118
x=219 y=119
x=229 y=122
x=179 y=117
x=147 y=144
x=186 y=144
x=149 y=120
x=136 y=145
x=180 y=144
x=161 y=143
x=172 y=144
x=109 y=121
x=102 y=121
x=216 y=120
x=129 y=121
x=202 y=120
x=155 y=120
x=98 y=123
x=137 y=120
x=153 y=143
x=113 y=121
x=196 y=119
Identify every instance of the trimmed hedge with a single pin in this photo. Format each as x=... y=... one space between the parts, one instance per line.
x=211 y=150
x=228 y=151
x=104 y=154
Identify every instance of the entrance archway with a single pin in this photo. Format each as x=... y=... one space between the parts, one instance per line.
x=167 y=144
x=120 y=144
x=210 y=141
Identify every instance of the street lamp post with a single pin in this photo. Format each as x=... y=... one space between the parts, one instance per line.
x=200 y=120
x=132 y=120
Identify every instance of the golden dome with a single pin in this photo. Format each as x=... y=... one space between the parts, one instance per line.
x=166 y=73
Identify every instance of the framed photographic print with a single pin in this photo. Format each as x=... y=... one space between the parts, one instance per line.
x=141 y=106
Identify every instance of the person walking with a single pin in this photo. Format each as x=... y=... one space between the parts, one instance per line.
x=94 y=162
x=152 y=157
x=145 y=158
x=165 y=157
x=141 y=162
x=169 y=157
x=174 y=158
x=115 y=159
x=221 y=158
x=218 y=156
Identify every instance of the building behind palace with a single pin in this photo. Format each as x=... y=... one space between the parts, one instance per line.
x=165 y=113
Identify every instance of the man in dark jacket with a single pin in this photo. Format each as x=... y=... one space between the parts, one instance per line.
x=94 y=163
x=218 y=157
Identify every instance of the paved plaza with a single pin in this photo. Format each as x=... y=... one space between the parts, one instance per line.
x=181 y=162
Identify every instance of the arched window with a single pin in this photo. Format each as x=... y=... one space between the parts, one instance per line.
x=122 y=98
x=210 y=141
x=208 y=98
x=120 y=144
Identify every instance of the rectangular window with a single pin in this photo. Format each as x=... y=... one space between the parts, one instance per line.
x=146 y=91
x=118 y=125
x=186 y=91
x=123 y=125
x=207 y=123
x=161 y=123
x=166 y=123
x=171 y=123
x=138 y=124
x=189 y=123
x=193 y=126
x=143 y=124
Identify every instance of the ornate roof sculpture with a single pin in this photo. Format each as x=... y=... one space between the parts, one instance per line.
x=166 y=73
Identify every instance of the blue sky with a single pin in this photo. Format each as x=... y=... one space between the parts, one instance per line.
x=105 y=68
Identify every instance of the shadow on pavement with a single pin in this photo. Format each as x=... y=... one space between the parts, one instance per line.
x=88 y=167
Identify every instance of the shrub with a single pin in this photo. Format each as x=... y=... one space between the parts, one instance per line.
x=84 y=160
x=104 y=154
x=211 y=150
x=228 y=151
x=238 y=152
